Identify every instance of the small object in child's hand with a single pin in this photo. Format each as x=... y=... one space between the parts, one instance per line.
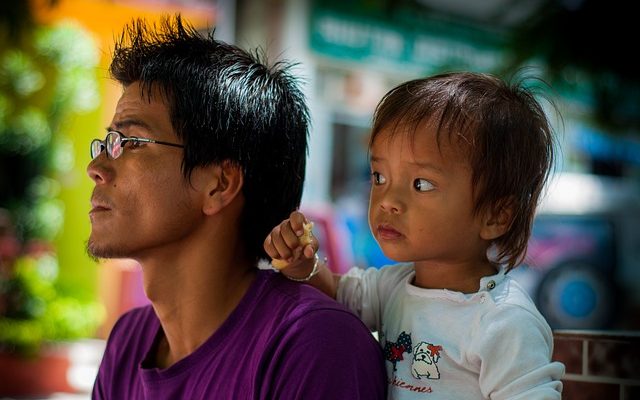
x=305 y=239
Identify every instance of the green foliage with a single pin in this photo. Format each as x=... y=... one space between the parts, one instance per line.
x=32 y=310
x=47 y=74
x=44 y=77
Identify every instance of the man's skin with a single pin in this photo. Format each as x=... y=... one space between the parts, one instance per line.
x=183 y=231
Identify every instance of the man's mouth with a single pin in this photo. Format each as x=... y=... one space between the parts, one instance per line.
x=98 y=206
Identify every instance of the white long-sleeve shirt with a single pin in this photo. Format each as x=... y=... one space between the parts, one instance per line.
x=442 y=344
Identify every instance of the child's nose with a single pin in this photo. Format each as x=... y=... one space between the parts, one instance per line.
x=391 y=202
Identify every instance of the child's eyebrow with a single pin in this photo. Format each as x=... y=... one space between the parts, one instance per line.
x=426 y=165
x=421 y=165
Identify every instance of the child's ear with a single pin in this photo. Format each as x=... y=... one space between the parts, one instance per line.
x=498 y=219
x=225 y=183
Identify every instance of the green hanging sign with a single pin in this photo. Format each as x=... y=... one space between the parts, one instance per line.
x=401 y=40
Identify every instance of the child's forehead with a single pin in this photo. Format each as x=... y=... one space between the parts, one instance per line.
x=400 y=156
x=426 y=133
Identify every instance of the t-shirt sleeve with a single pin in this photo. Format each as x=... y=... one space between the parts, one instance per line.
x=358 y=291
x=366 y=291
x=514 y=349
x=325 y=354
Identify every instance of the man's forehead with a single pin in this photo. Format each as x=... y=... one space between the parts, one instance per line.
x=135 y=99
x=136 y=108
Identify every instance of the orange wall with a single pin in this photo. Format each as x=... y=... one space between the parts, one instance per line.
x=106 y=17
x=105 y=20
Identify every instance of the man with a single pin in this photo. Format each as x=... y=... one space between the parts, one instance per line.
x=204 y=155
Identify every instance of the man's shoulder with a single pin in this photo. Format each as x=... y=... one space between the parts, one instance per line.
x=294 y=302
x=297 y=295
x=312 y=339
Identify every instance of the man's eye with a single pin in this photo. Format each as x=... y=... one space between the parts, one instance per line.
x=378 y=178
x=134 y=143
x=422 y=185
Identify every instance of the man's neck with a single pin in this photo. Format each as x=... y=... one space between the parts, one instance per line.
x=192 y=296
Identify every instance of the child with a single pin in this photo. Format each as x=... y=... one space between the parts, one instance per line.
x=458 y=163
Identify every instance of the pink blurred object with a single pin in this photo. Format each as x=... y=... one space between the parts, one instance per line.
x=332 y=237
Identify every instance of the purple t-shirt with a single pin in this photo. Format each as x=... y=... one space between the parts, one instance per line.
x=283 y=341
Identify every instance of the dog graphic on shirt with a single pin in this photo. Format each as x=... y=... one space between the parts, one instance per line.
x=425 y=359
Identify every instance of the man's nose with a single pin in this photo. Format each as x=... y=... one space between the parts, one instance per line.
x=97 y=171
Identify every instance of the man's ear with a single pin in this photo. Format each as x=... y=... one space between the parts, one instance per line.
x=497 y=220
x=223 y=187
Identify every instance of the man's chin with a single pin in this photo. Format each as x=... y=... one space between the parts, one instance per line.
x=97 y=251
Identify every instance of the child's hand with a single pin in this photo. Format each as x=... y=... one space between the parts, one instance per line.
x=291 y=244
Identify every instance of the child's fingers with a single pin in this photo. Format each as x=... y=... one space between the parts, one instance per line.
x=291 y=239
x=309 y=251
x=297 y=220
x=288 y=235
x=269 y=248
x=309 y=242
x=275 y=246
x=284 y=241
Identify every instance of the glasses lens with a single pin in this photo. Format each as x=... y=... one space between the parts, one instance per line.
x=114 y=144
x=96 y=148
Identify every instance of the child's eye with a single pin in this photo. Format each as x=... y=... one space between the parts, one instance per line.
x=422 y=185
x=378 y=178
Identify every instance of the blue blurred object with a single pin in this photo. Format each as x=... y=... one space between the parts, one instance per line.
x=604 y=146
x=583 y=261
x=578 y=298
x=366 y=251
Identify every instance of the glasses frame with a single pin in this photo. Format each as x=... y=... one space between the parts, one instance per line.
x=123 y=140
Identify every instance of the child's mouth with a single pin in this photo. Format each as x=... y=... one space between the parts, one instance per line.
x=388 y=232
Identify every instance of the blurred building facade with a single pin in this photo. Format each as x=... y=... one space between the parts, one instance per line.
x=349 y=54
x=352 y=52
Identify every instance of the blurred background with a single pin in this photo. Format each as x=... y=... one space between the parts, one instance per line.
x=57 y=305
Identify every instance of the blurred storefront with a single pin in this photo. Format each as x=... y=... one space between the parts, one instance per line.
x=349 y=53
x=352 y=52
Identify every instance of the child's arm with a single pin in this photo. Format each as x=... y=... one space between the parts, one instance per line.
x=293 y=249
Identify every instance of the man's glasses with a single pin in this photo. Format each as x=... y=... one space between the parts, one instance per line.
x=115 y=141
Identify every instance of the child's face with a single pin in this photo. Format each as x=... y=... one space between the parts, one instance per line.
x=421 y=206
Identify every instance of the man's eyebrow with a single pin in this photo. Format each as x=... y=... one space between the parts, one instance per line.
x=126 y=123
